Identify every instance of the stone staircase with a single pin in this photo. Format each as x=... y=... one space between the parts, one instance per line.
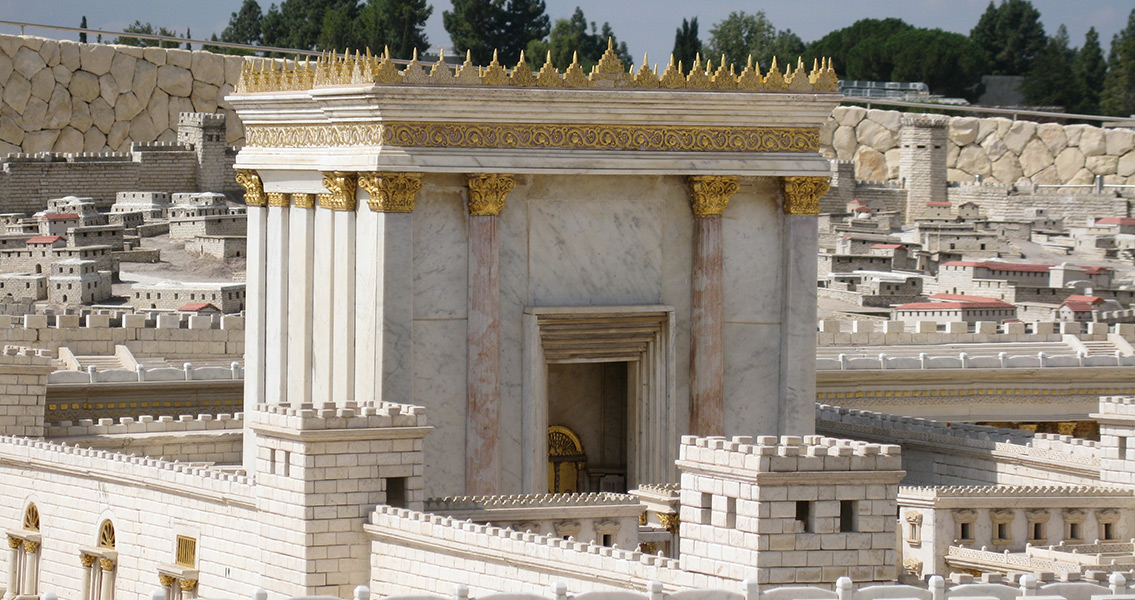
x=101 y=363
x=1099 y=347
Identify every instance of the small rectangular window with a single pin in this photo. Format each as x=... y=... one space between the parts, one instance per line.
x=1109 y=531
x=966 y=531
x=186 y=551
x=1002 y=531
x=396 y=492
x=847 y=516
x=1038 y=531
x=1073 y=531
x=804 y=515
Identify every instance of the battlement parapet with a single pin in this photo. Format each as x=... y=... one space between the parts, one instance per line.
x=464 y=503
x=1117 y=405
x=201 y=119
x=145 y=425
x=1010 y=491
x=936 y=121
x=22 y=355
x=790 y=453
x=370 y=415
x=136 y=147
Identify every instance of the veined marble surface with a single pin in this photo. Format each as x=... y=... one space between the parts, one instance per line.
x=753 y=267
x=752 y=378
x=440 y=249
x=439 y=385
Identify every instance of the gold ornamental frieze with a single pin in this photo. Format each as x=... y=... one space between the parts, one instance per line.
x=655 y=138
x=391 y=192
x=342 y=188
x=802 y=194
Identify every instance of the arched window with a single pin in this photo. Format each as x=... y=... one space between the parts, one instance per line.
x=31 y=518
x=100 y=565
x=23 y=563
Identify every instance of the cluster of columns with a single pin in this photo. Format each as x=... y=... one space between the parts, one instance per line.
x=179 y=588
x=23 y=567
x=98 y=581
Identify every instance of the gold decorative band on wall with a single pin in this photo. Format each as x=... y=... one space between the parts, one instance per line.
x=253 y=188
x=710 y=194
x=391 y=192
x=487 y=193
x=655 y=138
x=341 y=186
x=802 y=194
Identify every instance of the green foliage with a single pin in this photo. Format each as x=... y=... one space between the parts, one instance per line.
x=948 y=62
x=299 y=23
x=687 y=45
x=859 y=50
x=1118 y=97
x=83 y=34
x=338 y=32
x=148 y=29
x=741 y=35
x=508 y=26
x=1051 y=80
x=571 y=36
x=397 y=24
x=1090 y=69
x=244 y=25
x=1012 y=35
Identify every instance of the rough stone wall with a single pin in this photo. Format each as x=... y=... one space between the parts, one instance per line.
x=61 y=96
x=999 y=149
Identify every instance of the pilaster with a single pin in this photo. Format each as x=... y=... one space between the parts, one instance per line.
x=276 y=300
x=254 y=341
x=487 y=195
x=300 y=302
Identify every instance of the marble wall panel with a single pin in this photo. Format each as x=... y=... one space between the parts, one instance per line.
x=513 y=230
x=439 y=385
x=753 y=270
x=441 y=249
x=752 y=378
x=677 y=268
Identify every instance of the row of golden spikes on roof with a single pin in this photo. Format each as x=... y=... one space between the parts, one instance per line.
x=335 y=69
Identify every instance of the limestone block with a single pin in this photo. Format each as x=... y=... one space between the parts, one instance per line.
x=1035 y=158
x=156 y=56
x=963 y=130
x=142 y=128
x=844 y=142
x=179 y=58
x=10 y=131
x=955 y=175
x=42 y=84
x=233 y=322
x=826 y=132
x=892 y=156
x=204 y=97
x=94 y=140
x=849 y=116
x=870 y=164
x=96 y=58
x=1082 y=177
x=986 y=128
x=957 y=327
x=972 y=160
x=116 y=139
x=58 y=109
x=871 y=133
x=209 y=68
x=80 y=115
x=98 y=321
x=5 y=67
x=1069 y=162
x=994 y=147
x=952 y=152
x=1019 y=135
x=1047 y=176
x=1052 y=134
x=35 y=112
x=926 y=327
x=1015 y=328
x=891 y=119
x=133 y=321
x=1120 y=141
x=122 y=69
x=1070 y=328
x=62 y=75
x=986 y=327
x=176 y=107
x=17 y=91
x=1102 y=164
x=831 y=326
x=158 y=110
x=1007 y=169
x=70 y=140
x=108 y=89
x=102 y=115
x=1126 y=165
x=84 y=86
x=1093 y=141
x=175 y=81
x=40 y=141
x=28 y=62
x=145 y=80
x=127 y=107
x=69 y=55
x=35 y=321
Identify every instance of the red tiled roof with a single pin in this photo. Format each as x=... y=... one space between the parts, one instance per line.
x=1116 y=221
x=965 y=298
x=1095 y=270
x=937 y=203
x=886 y=246
x=62 y=217
x=999 y=266
x=862 y=209
x=1077 y=306
x=969 y=203
x=44 y=239
x=198 y=306
x=1086 y=299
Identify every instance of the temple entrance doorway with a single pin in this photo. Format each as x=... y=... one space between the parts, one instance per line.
x=587 y=439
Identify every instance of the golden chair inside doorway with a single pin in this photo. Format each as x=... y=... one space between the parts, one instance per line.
x=566 y=460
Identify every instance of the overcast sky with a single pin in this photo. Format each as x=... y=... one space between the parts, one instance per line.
x=645 y=25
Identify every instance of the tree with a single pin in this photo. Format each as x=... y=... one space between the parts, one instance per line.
x=948 y=62
x=299 y=23
x=83 y=34
x=482 y=26
x=859 y=50
x=1011 y=34
x=1090 y=69
x=741 y=35
x=399 y=24
x=570 y=37
x=147 y=29
x=244 y=24
x=1051 y=81
x=1118 y=97
x=687 y=45
x=188 y=36
x=338 y=31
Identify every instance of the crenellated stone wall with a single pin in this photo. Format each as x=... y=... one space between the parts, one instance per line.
x=999 y=149
x=62 y=96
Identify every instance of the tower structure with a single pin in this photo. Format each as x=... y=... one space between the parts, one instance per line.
x=922 y=164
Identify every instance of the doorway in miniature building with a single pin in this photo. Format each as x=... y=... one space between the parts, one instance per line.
x=598 y=398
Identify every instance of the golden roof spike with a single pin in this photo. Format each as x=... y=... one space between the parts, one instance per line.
x=386 y=52
x=573 y=75
x=415 y=57
x=548 y=59
x=611 y=43
x=772 y=67
x=494 y=55
x=815 y=64
x=645 y=59
x=722 y=59
x=521 y=57
x=469 y=56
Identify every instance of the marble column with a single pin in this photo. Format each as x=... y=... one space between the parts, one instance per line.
x=88 y=561
x=798 y=320
x=301 y=271
x=276 y=304
x=322 y=352
x=31 y=567
x=709 y=196
x=482 y=434
x=254 y=331
x=385 y=356
x=342 y=202
x=14 y=544
x=107 y=566
x=188 y=588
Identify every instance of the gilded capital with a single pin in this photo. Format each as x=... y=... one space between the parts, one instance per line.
x=277 y=199
x=670 y=521
x=14 y=542
x=107 y=564
x=187 y=585
x=342 y=187
x=710 y=194
x=802 y=194
x=30 y=547
x=87 y=560
x=391 y=192
x=166 y=580
x=253 y=188
x=487 y=193
x=303 y=200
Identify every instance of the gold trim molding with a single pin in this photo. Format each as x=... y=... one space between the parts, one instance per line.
x=391 y=192
x=580 y=136
x=342 y=186
x=166 y=580
x=14 y=542
x=253 y=188
x=303 y=200
x=30 y=547
x=487 y=193
x=710 y=194
x=87 y=560
x=277 y=199
x=187 y=585
x=107 y=564
x=802 y=194
x=670 y=521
